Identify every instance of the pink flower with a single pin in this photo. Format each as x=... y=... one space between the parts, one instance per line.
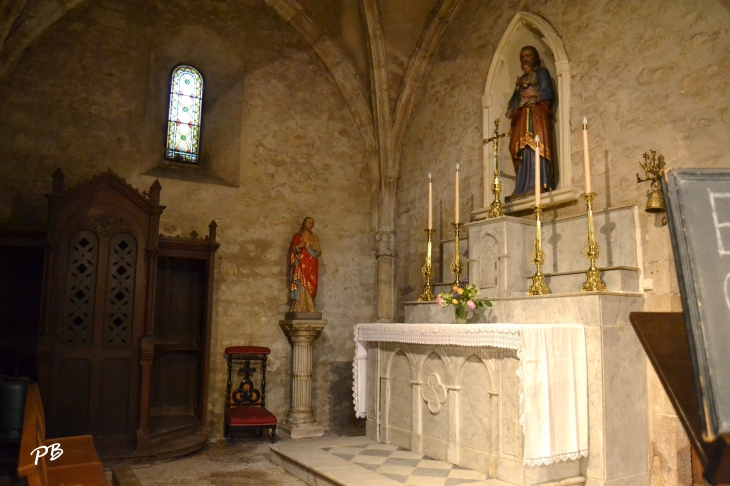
x=439 y=300
x=470 y=304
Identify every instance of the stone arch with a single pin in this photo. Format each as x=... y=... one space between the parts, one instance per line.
x=478 y=405
x=408 y=355
x=484 y=358
x=484 y=269
x=527 y=29
x=399 y=399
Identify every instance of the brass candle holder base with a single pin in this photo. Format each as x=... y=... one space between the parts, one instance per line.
x=593 y=282
x=538 y=287
x=496 y=205
x=456 y=264
x=427 y=272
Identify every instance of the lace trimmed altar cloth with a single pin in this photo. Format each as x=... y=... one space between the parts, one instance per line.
x=552 y=371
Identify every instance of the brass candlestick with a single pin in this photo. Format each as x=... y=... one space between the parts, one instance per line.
x=593 y=281
x=496 y=205
x=538 y=287
x=427 y=270
x=456 y=264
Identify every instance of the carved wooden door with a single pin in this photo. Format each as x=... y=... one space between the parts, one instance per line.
x=90 y=350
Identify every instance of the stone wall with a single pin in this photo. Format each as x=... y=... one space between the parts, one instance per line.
x=278 y=144
x=639 y=73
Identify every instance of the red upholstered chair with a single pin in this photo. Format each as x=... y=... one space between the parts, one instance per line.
x=245 y=405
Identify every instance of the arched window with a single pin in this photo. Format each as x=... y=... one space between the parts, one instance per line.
x=183 y=119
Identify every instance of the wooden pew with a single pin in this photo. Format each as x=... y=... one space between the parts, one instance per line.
x=77 y=465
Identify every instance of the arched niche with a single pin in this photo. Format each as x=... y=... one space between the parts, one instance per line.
x=476 y=407
x=400 y=400
x=526 y=29
x=222 y=122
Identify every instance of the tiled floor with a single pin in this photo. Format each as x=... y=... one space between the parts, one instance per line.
x=359 y=461
x=404 y=466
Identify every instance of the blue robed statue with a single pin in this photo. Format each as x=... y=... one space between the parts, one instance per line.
x=530 y=110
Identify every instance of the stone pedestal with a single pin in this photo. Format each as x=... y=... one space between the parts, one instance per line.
x=300 y=421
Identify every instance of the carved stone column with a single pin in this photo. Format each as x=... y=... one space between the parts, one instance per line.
x=300 y=421
x=384 y=251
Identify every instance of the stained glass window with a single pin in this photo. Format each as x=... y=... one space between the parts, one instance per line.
x=183 y=120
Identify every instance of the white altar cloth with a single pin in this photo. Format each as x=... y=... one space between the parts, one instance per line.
x=553 y=376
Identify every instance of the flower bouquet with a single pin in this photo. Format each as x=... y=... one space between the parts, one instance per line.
x=464 y=298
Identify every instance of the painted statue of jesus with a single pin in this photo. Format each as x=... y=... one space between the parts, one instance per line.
x=304 y=254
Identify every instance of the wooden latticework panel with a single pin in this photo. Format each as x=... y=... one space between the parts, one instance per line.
x=120 y=286
x=80 y=286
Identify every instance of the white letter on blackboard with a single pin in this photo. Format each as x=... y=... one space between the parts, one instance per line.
x=720 y=247
x=727 y=290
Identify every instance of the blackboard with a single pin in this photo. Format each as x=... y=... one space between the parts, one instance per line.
x=698 y=212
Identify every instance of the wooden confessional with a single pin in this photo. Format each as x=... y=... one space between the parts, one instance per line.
x=124 y=337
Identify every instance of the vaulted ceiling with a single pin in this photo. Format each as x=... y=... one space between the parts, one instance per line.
x=376 y=52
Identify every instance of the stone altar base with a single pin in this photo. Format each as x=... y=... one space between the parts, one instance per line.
x=359 y=461
x=481 y=428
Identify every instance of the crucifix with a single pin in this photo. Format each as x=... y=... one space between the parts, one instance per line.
x=246 y=393
x=247 y=370
x=496 y=205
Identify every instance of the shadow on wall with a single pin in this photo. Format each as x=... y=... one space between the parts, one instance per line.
x=343 y=418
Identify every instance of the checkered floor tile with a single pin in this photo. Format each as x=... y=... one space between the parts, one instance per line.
x=406 y=467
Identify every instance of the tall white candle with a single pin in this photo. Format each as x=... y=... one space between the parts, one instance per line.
x=456 y=209
x=430 y=203
x=537 y=170
x=586 y=161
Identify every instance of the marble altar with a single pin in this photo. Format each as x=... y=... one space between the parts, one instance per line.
x=490 y=436
x=481 y=430
x=551 y=372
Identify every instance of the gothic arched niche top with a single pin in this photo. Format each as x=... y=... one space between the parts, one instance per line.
x=527 y=29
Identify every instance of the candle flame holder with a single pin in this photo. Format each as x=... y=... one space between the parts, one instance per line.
x=427 y=271
x=538 y=287
x=593 y=281
x=456 y=264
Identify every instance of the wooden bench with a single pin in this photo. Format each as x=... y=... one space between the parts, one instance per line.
x=77 y=465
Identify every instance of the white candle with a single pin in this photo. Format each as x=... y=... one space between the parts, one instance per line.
x=586 y=161
x=456 y=209
x=537 y=170
x=430 y=204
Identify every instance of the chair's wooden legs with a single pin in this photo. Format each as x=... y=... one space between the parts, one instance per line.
x=273 y=434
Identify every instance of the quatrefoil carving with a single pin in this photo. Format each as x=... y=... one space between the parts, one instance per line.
x=434 y=393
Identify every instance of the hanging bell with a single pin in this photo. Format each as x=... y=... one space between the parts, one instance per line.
x=655 y=203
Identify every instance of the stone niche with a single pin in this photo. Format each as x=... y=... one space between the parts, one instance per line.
x=526 y=29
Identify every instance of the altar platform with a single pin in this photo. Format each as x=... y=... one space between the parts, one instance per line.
x=359 y=461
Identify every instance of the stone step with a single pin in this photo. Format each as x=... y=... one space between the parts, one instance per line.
x=617 y=279
x=359 y=461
